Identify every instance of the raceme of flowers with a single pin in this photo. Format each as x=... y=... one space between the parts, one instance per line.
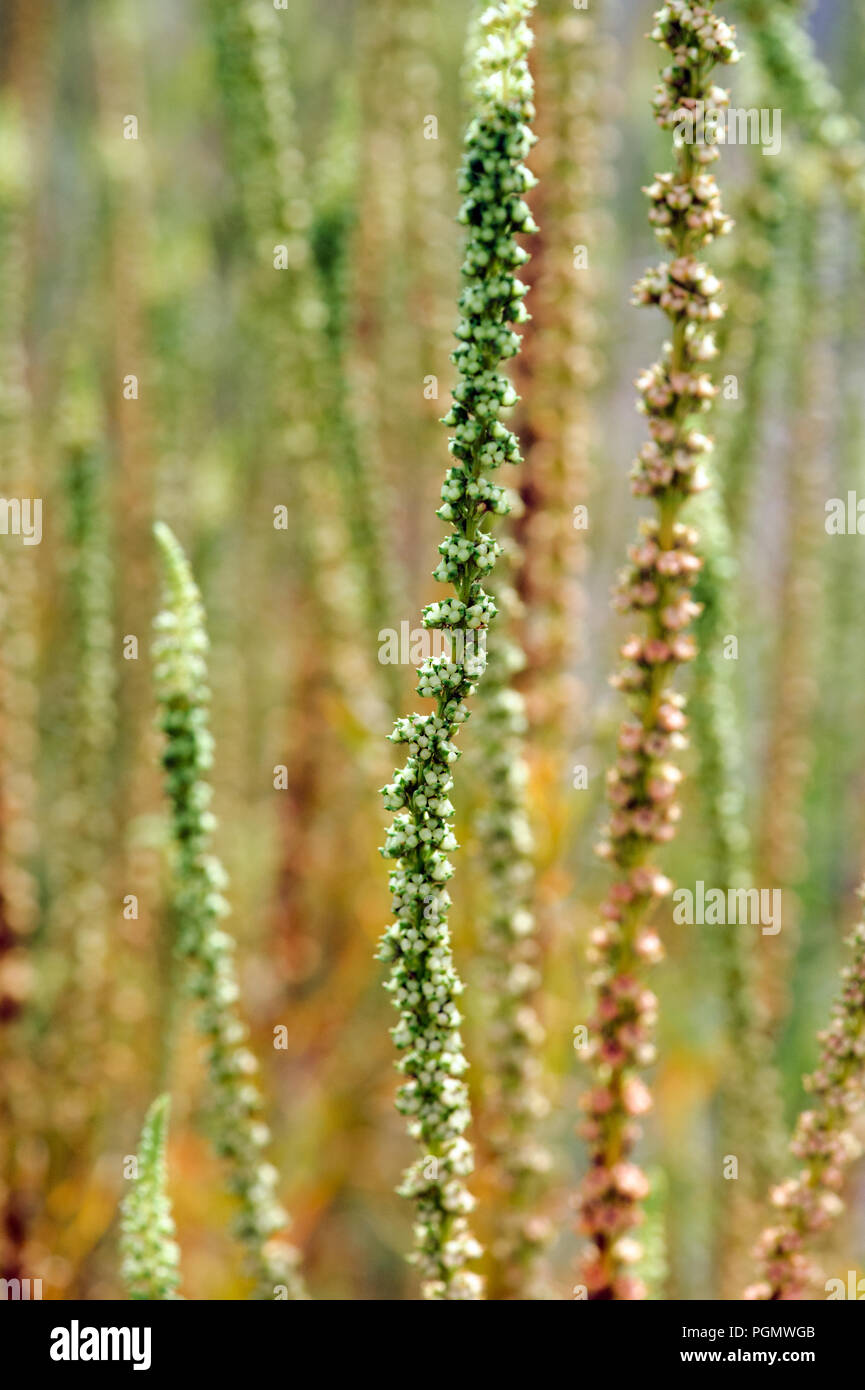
x=239 y=1132
x=824 y=1141
x=512 y=960
x=686 y=214
x=151 y=1255
x=787 y=53
x=424 y=982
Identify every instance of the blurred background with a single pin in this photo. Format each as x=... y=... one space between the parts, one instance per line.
x=229 y=265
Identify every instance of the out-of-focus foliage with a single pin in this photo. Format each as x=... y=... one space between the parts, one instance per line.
x=229 y=271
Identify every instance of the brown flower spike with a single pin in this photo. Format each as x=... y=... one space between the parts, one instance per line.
x=825 y=1143
x=656 y=586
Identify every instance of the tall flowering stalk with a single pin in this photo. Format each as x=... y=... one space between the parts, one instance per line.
x=129 y=231
x=515 y=1099
x=424 y=982
x=300 y=447
x=560 y=365
x=824 y=1142
x=285 y=314
x=762 y=218
x=801 y=80
x=151 y=1255
x=289 y=319
x=21 y=1104
x=686 y=213
x=837 y=804
x=783 y=838
x=403 y=251
x=238 y=1131
x=76 y=950
x=536 y=691
x=751 y=1118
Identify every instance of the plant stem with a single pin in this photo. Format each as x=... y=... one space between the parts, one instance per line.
x=809 y=1203
x=239 y=1134
x=514 y=1101
x=151 y=1256
x=424 y=983
x=686 y=213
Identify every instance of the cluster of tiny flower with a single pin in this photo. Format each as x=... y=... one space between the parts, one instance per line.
x=239 y=1133
x=151 y=1255
x=695 y=37
x=686 y=214
x=674 y=389
x=825 y=1142
x=424 y=983
x=658 y=582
